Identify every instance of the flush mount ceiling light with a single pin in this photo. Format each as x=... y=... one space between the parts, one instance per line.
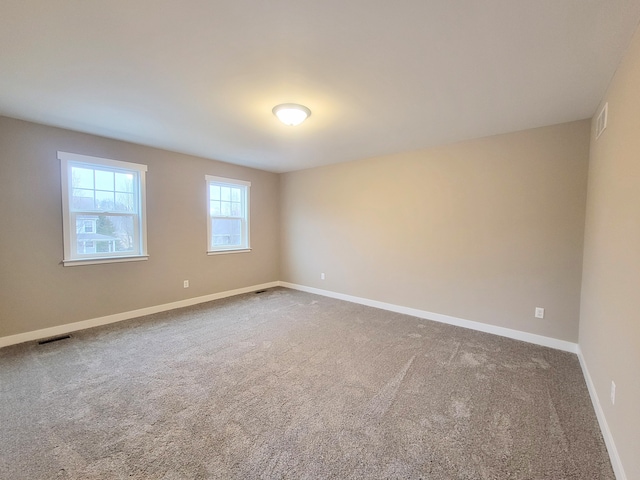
x=291 y=113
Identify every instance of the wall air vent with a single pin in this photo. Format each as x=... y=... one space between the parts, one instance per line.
x=601 y=121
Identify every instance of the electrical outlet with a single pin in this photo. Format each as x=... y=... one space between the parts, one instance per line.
x=613 y=393
x=539 y=312
x=186 y=283
x=322 y=276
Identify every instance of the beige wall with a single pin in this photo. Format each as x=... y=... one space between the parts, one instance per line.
x=484 y=230
x=36 y=291
x=610 y=314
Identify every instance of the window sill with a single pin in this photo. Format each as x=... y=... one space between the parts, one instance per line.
x=222 y=252
x=95 y=261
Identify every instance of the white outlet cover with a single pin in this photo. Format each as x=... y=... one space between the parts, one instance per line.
x=539 y=312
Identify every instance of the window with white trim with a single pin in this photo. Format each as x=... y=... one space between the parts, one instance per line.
x=228 y=215
x=103 y=210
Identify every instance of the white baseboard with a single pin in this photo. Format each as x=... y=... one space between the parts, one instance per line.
x=602 y=420
x=438 y=317
x=460 y=322
x=118 y=317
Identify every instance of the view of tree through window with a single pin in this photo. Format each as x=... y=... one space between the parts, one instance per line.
x=102 y=190
x=104 y=208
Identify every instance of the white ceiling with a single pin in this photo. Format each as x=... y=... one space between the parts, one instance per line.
x=380 y=76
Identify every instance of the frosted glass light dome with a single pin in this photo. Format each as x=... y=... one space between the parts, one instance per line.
x=291 y=114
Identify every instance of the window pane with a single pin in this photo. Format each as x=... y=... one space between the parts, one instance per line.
x=104 y=180
x=81 y=177
x=226 y=232
x=125 y=202
x=82 y=199
x=214 y=192
x=86 y=247
x=235 y=194
x=226 y=209
x=105 y=200
x=111 y=234
x=121 y=227
x=215 y=208
x=236 y=209
x=124 y=182
x=225 y=193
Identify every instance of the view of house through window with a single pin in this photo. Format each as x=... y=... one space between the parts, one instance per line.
x=103 y=208
x=228 y=223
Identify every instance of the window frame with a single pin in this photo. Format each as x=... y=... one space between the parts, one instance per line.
x=71 y=257
x=246 y=230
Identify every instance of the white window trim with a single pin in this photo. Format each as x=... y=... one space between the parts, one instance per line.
x=65 y=158
x=229 y=250
x=232 y=183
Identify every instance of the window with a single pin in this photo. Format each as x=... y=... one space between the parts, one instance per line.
x=103 y=210
x=228 y=219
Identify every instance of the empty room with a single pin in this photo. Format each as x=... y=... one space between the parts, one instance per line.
x=320 y=240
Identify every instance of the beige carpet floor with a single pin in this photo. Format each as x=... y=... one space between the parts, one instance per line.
x=290 y=385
